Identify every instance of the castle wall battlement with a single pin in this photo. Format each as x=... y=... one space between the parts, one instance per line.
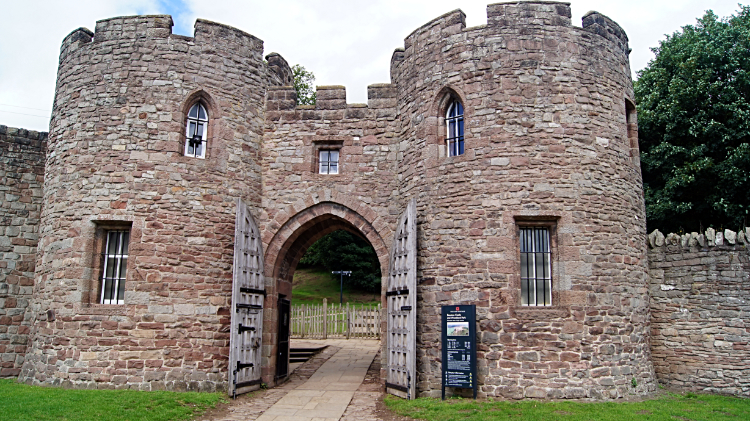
x=544 y=13
x=331 y=98
x=160 y=27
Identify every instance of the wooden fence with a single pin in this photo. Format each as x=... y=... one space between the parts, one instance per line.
x=324 y=321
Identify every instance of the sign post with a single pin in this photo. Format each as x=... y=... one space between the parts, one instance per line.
x=342 y=273
x=459 y=340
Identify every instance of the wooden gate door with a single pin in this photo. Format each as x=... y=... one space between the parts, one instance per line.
x=248 y=294
x=401 y=296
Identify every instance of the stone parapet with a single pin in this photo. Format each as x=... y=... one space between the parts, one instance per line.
x=523 y=13
x=599 y=24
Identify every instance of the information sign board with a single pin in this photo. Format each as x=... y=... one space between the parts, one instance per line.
x=459 y=347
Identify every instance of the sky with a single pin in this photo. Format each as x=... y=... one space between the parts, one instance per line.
x=343 y=42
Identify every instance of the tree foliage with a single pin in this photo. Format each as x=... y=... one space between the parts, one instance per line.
x=304 y=84
x=341 y=250
x=694 y=126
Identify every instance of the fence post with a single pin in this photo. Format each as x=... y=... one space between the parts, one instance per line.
x=325 y=318
x=348 y=322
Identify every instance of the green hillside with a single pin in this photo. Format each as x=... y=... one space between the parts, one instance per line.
x=311 y=285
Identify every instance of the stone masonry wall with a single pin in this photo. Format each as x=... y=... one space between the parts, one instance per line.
x=546 y=143
x=21 y=177
x=300 y=205
x=700 y=310
x=115 y=160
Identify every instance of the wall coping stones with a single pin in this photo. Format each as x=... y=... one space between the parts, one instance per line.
x=711 y=238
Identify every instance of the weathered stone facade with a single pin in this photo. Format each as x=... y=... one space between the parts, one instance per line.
x=21 y=174
x=700 y=310
x=551 y=141
x=545 y=105
x=115 y=160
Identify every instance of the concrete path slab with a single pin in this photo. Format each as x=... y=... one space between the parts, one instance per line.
x=327 y=393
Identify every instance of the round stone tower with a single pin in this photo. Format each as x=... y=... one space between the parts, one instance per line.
x=134 y=273
x=533 y=209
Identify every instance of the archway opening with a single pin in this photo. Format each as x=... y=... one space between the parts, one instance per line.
x=285 y=251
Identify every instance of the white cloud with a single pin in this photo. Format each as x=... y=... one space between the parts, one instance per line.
x=343 y=42
x=30 y=38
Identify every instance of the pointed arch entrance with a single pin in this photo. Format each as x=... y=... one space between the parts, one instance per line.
x=283 y=253
x=398 y=292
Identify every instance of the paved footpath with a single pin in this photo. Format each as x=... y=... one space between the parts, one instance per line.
x=324 y=395
x=327 y=393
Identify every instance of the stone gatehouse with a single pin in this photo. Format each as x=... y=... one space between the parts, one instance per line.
x=183 y=183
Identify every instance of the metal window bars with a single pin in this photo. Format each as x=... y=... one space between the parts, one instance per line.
x=536 y=267
x=115 y=266
x=454 y=121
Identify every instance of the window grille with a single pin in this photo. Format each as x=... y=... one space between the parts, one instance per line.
x=454 y=121
x=329 y=162
x=115 y=267
x=536 y=270
x=195 y=131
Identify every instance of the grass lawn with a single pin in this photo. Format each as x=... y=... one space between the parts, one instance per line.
x=311 y=285
x=688 y=407
x=32 y=403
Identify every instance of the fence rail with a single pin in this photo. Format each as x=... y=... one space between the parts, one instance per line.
x=328 y=321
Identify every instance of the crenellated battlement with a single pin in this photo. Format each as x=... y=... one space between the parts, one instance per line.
x=502 y=17
x=215 y=33
x=132 y=27
x=599 y=24
x=332 y=98
x=142 y=27
x=543 y=13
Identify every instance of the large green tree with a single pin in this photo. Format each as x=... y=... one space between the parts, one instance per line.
x=341 y=250
x=694 y=126
x=304 y=84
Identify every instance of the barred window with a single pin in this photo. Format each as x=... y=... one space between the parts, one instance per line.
x=329 y=162
x=115 y=266
x=195 y=131
x=536 y=267
x=454 y=121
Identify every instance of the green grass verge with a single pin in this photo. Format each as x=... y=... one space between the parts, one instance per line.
x=27 y=403
x=311 y=285
x=688 y=407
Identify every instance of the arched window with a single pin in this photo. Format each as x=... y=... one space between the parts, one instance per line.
x=195 y=136
x=454 y=122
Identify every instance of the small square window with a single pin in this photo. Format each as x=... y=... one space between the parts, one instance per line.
x=328 y=162
x=114 y=267
x=536 y=266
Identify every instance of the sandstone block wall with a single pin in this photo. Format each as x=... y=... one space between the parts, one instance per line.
x=700 y=310
x=116 y=160
x=300 y=205
x=546 y=140
x=22 y=154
